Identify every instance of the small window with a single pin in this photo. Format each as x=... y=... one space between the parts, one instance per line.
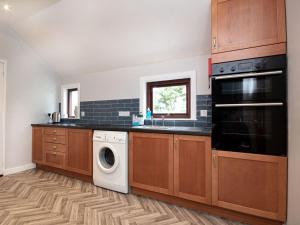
x=70 y=102
x=169 y=99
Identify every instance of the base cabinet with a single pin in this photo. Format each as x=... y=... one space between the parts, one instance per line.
x=37 y=145
x=251 y=184
x=62 y=148
x=192 y=168
x=79 y=157
x=176 y=165
x=151 y=162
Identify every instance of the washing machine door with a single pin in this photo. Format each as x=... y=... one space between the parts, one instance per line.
x=108 y=159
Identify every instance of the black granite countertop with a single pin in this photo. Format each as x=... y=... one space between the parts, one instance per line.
x=146 y=129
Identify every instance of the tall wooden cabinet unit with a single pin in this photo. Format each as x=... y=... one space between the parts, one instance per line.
x=192 y=168
x=69 y=150
x=251 y=184
x=247 y=29
x=151 y=162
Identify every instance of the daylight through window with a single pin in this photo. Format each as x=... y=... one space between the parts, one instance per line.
x=169 y=99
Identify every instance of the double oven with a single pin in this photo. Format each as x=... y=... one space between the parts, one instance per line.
x=249 y=106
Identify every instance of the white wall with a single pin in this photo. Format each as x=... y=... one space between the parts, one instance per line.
x=293 y=9
x=32 y=92
x=124 y=83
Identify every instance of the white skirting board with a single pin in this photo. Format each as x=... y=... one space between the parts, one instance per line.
x=19 y=169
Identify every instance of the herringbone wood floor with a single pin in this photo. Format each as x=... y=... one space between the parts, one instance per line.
x=36 y=197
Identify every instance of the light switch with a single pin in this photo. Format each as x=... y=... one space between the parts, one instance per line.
x=203 y=113
x=124 y=113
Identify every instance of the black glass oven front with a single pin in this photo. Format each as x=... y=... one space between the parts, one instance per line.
x=249 y=106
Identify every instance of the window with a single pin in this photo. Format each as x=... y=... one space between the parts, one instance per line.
x=70 y=102
x=170 y=99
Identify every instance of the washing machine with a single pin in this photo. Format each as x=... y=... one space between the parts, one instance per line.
x=110 y=160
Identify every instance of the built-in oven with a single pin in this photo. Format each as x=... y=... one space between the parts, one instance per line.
x=249 y=106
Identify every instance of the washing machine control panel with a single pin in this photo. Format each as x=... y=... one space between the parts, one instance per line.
x=111 y=137
x=116 y=139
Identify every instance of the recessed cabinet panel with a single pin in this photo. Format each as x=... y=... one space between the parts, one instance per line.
x=55 y=159
x=192 y=168
x=37 y=145
x=250 y=183
x=151 y=162
x=55 y=131
x=238 y=25
x=55 y=139
x=79 y=157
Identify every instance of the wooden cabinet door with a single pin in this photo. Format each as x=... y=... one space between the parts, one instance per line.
x=37 y=145
x=192 y=168
x=151 y=162
x=79 y=154
x=242 y=24
x=250 y=183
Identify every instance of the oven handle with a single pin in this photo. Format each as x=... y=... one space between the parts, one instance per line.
x=249 y=105
x=224 y=77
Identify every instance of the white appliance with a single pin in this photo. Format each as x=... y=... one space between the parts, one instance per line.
x=110 y=160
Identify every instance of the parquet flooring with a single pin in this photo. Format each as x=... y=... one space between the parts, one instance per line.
x=36 y=197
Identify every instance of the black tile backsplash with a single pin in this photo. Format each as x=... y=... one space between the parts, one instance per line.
x=107 y=112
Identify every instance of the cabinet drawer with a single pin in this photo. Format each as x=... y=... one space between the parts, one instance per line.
x=52 y=147
x=55 y=159
x=55 y=139
x=55 y=131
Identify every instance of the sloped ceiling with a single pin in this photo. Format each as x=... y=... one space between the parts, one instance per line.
x=81 y=37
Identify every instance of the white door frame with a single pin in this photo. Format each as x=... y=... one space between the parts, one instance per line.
x=4 y=111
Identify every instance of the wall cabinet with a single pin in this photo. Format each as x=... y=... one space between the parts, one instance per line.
x=66 y=149
x=251 y=184
x=151 y=162
x=247 y=29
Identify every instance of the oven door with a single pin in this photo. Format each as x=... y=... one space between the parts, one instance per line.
x=253 y=128
x=249 y=87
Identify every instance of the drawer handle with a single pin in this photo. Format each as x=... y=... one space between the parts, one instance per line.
x=54 y=131
x=54 y=139
x=54 y=147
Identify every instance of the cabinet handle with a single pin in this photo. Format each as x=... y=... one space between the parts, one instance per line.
x=54 y=131
x=214 y=161
x=54 y=147
x=214 y=43
x=54 y=139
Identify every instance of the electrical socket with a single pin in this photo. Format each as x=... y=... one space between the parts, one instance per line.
x=203 y=113
x=124 y=113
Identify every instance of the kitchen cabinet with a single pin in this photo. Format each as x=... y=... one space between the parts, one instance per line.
x=247 y=29
x=151 y=162
x=69 y=150
x=250 y=183
x=192 y=168
x=79 y=157
x=177 y=165
x=37 y=145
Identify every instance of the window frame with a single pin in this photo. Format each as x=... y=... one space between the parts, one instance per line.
x=169 y=83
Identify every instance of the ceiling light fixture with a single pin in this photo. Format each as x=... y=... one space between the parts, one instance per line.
x=6 y=7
